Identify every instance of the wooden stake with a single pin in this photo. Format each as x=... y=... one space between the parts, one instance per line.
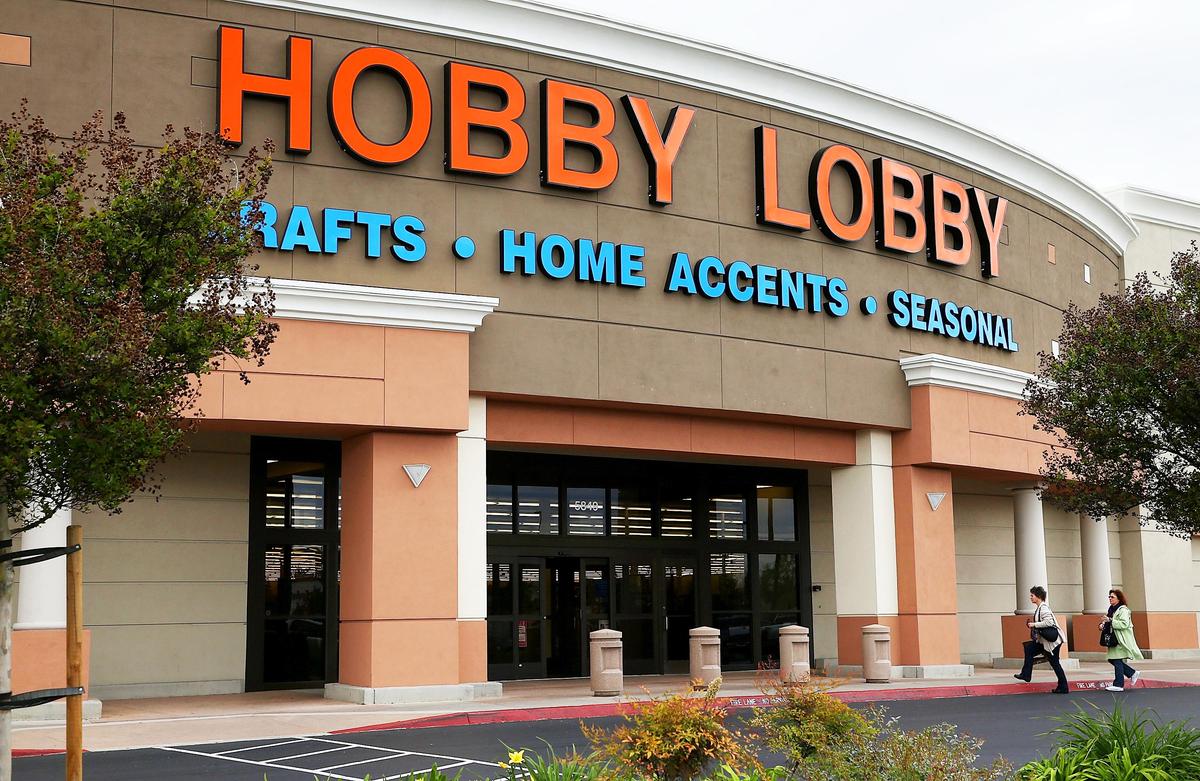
x=75 y=654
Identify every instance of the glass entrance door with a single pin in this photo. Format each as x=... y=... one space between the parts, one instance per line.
x=291 y=617
x=678 y=610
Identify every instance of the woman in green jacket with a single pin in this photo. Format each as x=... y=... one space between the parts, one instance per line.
x=1121 y=618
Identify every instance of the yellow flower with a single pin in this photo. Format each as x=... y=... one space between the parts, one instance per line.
x=516 y=757
x=504 y=765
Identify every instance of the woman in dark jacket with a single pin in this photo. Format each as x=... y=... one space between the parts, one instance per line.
x=1038 y=645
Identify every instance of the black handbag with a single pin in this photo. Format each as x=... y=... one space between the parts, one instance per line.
x=1048 y=633
x=1108 y=638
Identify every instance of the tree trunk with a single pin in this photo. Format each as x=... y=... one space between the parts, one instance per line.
x=6 y=637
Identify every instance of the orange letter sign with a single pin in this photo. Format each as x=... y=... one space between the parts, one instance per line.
x=341 y=105
x=660 y=148
x=767 y=210
x=558 y=134
x=462 y=118
x=890 y=207
x=942 y=220
x=295 y=88
x=989 y=220
x=821 y=198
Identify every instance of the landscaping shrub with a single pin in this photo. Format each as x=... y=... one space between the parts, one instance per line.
x=804 y=719
x=1103 y=746
x=525 y=765
x=672 y=738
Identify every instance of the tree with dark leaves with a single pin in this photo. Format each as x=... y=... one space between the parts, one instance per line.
x=124 y=277
x=1123 y=399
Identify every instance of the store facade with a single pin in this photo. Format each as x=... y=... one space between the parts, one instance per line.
x=584 y=326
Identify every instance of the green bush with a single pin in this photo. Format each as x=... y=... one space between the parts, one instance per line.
x=1102 y=746
x=887 y=753
x=727 y=773
x=804 y=719
x=672 y=738
x=525 y=765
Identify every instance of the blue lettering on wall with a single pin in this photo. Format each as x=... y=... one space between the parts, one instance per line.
x=949 y=319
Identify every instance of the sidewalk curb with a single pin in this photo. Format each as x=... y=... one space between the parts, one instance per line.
x=601 y=710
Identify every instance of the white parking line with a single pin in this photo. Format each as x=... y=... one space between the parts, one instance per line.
x=309 y=754
x=365 y=761
x=426 y=770
x=252 y=748
x=305 y=770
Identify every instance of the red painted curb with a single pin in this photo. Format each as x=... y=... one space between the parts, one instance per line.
x=735 y=703
x=37 y=752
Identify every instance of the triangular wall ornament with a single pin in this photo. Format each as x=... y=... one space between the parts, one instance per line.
x=935 y=500
x=416 y=473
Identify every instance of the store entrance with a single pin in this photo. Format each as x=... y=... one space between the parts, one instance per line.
x=650 y=549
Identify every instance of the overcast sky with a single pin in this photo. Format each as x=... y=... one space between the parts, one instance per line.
x=1108 y=90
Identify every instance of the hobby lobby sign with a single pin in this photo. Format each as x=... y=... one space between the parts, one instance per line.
x=910 y=213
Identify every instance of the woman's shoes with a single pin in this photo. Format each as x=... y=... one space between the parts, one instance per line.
x=1133 y=679
x=1019 y=678
x=1060 y=691
x=1112 y=688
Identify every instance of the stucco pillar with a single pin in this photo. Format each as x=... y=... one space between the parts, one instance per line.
x=400 y=637
x=926 y=574
x=472 y=544
x=864 y=543
x=1157 y=571
x=1097 y=569
x=1030 y=529
x=42 y=596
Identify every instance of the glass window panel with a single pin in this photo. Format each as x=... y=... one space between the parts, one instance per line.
x=585 y=511
x=537 y=509
x=776 y=513
x=276 y=601
x=680 y=583
x=637 y=638
x=737 y=641
x=727 y=517
x=633 y=587
x=676 y=516
x=730 y=585
x=630 y=510
x=777 y=573
x=295 y=494
x=307 y=580
x=529 y=641
x=529 y=589
x=293 y=650
x=499 y=509
x=596 y=589
x=499 y=589
x=499 y=641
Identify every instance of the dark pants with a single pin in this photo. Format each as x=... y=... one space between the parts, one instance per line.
x=1033 y=650
x=1122 y=669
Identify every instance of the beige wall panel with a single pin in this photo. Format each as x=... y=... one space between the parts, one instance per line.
x=484 y=211
x=866 y=274
x=332 y=27
x=683 y=95
x=982 y=569
x=662 y=236
x=319 y=187
x=128 y=561
x=207 y=476
x=822 y=571
x=866 y=390
x=171 y=519
x=659 y=367
x=986 y=598
x=567 y=70
x=411 y=41
x=735 y=144
x=824 y=636
x=70 y=73
x=695 y=173
x=487 y=54
x=781 y=118
x=218 y=442
x=152 y=72
x=113 y=604
x=765 y=323
x=536 y=356
x=979 y=636
x=777 y=379
x=167 y=653
x=241 y=13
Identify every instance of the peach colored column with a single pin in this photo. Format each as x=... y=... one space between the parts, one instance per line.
x=399 y=635
x=925 y=567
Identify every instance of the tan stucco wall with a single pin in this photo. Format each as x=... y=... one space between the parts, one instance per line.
x=165 y=580
x=156 y=62
x=824 y=602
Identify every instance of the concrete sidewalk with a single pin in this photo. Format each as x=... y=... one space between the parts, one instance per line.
x=193 y=720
